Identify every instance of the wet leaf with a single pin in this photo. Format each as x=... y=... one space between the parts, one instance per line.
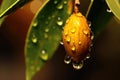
x=9 y=6
x=45 y=33
x=114 y=6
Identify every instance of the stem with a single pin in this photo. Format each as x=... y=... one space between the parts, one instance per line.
x=76 y=4
x=90 y=5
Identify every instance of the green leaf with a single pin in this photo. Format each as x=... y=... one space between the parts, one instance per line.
x=114 y=6
x=45 y=34
x=9 y=6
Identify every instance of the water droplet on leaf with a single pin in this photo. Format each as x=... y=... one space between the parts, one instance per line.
x=56 y=1
x=78 y=65
x=59 y=21
x=35 y=23
x=34 y=39
x=47 y=30
x=108 y=10
x=60 y=6
x=44 y=55
x=67 y=59
x=65 y=2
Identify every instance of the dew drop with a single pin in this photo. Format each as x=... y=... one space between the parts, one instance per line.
x=85 y=32
x=35 y=23
x=47 y=30
x=65 y=2
x=59 y=21
x=44 y=55
x=73 y=48
x=34 y=39
x=79 y=42
x=108 y=10
x=67 y=59
x=60 y=6
x=78 y=65
x=68 y=39
x=61 y=43
x=73 y=30
x=88 y=56
x=89 y=23
x=92 y=37
x=55 y=2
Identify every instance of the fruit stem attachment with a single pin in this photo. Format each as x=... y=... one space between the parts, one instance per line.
x=76 y=6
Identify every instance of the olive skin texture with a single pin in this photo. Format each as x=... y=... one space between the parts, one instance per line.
x=77 y=37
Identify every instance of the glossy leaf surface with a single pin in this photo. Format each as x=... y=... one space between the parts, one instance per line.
x=45 y=33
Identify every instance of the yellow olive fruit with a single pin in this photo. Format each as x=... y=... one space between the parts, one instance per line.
x=77 y=37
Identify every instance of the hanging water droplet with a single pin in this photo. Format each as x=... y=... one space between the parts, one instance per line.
x=60 y=6
x=89 y=23
x=78 y=65
x=92 y=37
x=67 y=59
x=35 y=23
x=56 y=1
x=34 y=39
x=47 y=30
x=108 y=10
x=59 y=21
x=44 y=55
x=65 y=2
x=61 y=43
x=88 y=56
